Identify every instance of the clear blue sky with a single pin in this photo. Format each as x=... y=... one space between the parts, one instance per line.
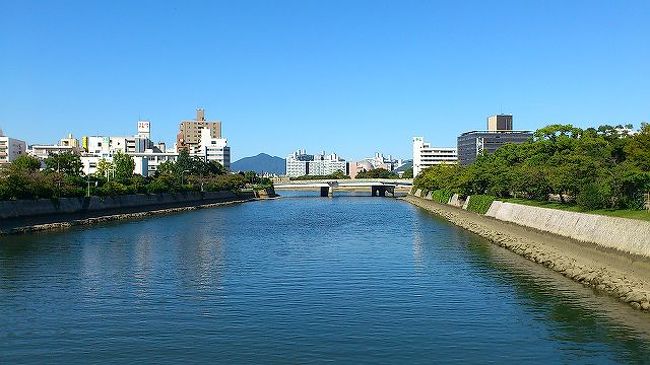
x=350 y=76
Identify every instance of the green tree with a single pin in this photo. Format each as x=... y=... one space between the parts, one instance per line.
x=65 y=163
x=637 y=149
x=104 y=168
x=124 y=166
x=26 y=163
x=379 y=173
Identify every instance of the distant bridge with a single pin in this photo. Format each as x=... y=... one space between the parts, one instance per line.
x=378 y=187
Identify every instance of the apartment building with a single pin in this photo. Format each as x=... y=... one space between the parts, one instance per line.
x=10 y=148
x=299 y=163
x=189 y=134
x=424 y=155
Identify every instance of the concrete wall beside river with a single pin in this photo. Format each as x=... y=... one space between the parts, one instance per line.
x=43 y=207
x=626 y=235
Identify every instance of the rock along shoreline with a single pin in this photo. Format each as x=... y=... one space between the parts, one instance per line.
x=118 y=217
x=625 y=277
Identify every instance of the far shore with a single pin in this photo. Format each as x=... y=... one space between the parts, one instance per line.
x=67 y=221
x=623 y=276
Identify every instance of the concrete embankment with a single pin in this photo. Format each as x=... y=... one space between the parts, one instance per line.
x=622 y=275
x=621 y=234
x=40 y=215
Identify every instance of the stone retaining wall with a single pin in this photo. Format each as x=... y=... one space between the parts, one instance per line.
x=45 y=207
x=626 y=235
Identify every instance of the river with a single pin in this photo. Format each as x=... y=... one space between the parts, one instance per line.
x=301 y=279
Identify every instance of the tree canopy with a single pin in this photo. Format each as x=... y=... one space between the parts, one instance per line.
x=604 y=167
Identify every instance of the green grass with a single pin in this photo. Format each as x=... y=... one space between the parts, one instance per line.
x=621 y=213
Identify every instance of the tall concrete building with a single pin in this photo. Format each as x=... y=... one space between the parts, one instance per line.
x=10 y=148
x=424 y=155
x=499 y=132
x=189 y=134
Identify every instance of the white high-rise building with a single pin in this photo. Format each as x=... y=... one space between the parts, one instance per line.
x=426 y=156
x=10 y=148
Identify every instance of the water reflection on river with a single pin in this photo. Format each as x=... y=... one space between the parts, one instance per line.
x=297 y=280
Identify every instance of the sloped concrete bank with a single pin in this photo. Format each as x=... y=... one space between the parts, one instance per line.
x=120 y=208
x=627 y=277
x=626 y=235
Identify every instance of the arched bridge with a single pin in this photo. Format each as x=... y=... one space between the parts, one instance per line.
x=378 y=187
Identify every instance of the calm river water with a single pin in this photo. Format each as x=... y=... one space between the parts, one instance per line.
x=302 y=279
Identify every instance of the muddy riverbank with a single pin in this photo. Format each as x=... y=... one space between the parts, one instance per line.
x=626 y=277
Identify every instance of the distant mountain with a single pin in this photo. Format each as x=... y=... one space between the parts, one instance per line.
x=260 y=163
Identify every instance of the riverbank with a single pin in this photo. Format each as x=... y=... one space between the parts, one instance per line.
x=627 y=277
x=66 y=220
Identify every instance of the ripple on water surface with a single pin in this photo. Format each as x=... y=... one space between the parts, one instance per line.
x=297 y=280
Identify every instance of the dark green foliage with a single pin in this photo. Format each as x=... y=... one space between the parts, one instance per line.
x=65 y=163
x=26 y=163
x=62 y=178
x=480 y=203
x=603 y=168
x=408 y=173
x=379 y=173
x=441 y=196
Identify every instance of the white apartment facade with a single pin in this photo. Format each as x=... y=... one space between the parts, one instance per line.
x=296 y=163
x=424 y=155
x=10 y=148
x=299 y=163
x=212 y=149
x=148 y=160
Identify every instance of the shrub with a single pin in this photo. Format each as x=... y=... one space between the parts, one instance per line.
x=441 y=196
x=157 y=186
x=592 y=196
x=480 y=203
x=113 y=188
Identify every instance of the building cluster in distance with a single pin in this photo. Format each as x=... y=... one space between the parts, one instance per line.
x=200 y=138
x=469 y=144
x=300 y=163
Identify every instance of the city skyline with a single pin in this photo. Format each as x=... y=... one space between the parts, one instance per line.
x=275 y=73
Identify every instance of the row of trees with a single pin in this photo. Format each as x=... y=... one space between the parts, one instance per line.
x=379 y=173
x=62 y=176
x=595 y=168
